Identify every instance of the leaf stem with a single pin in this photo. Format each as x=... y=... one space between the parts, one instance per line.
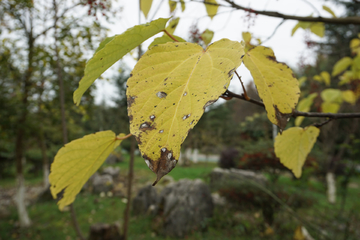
x=245 y=94
x=171 y=36
x=125 y=137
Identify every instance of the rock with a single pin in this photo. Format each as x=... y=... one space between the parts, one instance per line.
x=103 y=231
x=218 y=200
x=232 y=177
x=102 y=183
x=184 y=206
x=112 y=171
x=145 y=201
x=114 y=158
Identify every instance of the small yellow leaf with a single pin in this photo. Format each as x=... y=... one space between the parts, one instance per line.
x=341 y=65
x=77 y=161
x=275 y=82
x=298 y=234
x=182 y=5
x=302 y=80
x=346 y=77
x=293 y=146
x=326 y=77
x=168 y=91
x=164 y=39
x=318 y=29
x=330 y=107
x=145 y=6
x=318 y=78
x=172 y=25
x=331 y=95
x=326 y=8
x=355 y=46
x=207 y=36
x=295 y=28
x=172 y=5
x=304 y=106
x=246 y=36
x=349 y=96
x=211 y=8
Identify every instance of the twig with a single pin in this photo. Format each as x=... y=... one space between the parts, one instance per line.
x=346 y=20
x=125 y=137
x=171 y=36
x=245 y=94
x=267 y=39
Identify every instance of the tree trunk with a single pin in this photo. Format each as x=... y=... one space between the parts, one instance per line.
x=331 y=187
x=20 y=199
x=46 y=168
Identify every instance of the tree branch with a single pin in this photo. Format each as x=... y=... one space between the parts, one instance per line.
x=344 y=21
x=228 y=95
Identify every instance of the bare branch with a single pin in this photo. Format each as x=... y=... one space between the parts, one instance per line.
x=344 y=21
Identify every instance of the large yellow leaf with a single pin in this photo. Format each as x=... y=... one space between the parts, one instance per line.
x=168 y=91
x=145 y=6
x=77 y=161
x=331 y=95
x=293 y=146
x=318 y=28
x=114 y=49
x=164 y=39
x=211 y=8
x=341 y=65
x=275 y=82
x=172 y=25
x=304 y=106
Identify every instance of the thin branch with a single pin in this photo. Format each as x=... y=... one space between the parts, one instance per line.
x=245 y=94
x=228 y=94
x=273 y=31
x=171 y=36
x=346 y=20
x=313 y=7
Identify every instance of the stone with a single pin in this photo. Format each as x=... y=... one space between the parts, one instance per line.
x=145 y=201
x=231 y=177
x=114 y=172
x=103 y=231
x=114 y=158
x=102 y=183
x=184 y=207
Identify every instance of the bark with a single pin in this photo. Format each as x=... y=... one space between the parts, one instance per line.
x=331 y=187
x=20 y=201
x=46 y=170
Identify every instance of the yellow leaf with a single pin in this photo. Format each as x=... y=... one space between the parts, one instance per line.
x=346 y=77
x=293 y=146
x=318 y=29
x=246 y=36
x=164 y=39
x=168 y=91
x=318 y=78
x=302 y=80
x=326 y=8
x=330 y=107
x=298 y=234
x=295 y=28
x=145 y=6
x=331 y=95
x=172 y=25
x=341 y=65
x=211 y=9
x=355 y=45
x=326 y=77
x=275 y=82
x=207 y=36
x=182 y=5
x=304 y=106
x=172 y=5
x=349 y=96
x=114 y=49
x=77 y=161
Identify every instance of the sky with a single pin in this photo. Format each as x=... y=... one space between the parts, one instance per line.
x=227 y=24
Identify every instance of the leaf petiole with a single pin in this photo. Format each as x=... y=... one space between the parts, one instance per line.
x=245 y=94
x=171 y=36
x=125 y=137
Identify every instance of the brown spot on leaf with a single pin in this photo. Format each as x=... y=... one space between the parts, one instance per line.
x=161 y=94
x=209 y=103
x=130 y=100
x=146 y=126
x=231 y=72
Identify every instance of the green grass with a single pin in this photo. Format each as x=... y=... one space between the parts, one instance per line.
x=226 y=224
